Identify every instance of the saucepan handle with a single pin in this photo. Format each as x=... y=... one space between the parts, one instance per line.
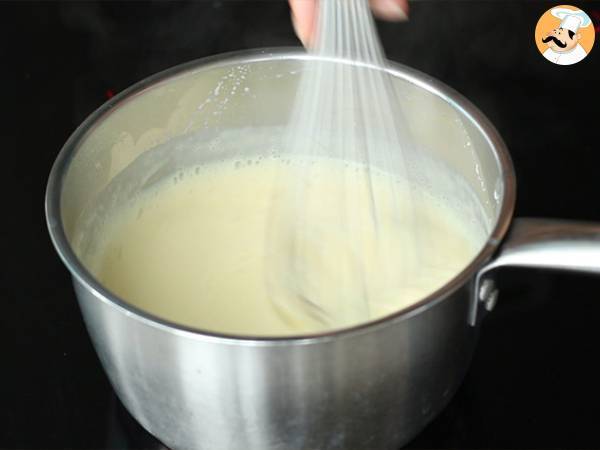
x=539 y=243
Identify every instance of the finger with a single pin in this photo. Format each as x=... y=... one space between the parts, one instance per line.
x=303 y=19
x=393 y=10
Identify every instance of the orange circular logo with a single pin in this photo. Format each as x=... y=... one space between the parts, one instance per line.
x=564 y=35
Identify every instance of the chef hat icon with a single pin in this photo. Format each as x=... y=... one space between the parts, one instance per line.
x=571 y=19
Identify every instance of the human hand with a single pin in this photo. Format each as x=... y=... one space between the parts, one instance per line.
x=304 y=11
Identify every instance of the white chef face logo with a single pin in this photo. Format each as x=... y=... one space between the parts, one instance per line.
x=561 y=40
x=564 y=35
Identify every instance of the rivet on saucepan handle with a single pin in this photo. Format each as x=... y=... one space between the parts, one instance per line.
x=488 y=294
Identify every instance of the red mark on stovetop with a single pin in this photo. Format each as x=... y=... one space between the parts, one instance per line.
x=110 y=93
x=596 y=16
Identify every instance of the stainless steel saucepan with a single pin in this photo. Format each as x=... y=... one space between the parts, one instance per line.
x=372 y=386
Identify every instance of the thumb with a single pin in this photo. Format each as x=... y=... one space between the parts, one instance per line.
x=392 y=10
x=303 y=18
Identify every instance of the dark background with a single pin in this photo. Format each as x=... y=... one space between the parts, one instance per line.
x=534 y=379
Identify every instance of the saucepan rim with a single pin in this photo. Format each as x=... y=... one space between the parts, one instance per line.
x=434 y=86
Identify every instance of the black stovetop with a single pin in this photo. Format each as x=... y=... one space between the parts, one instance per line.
x=534 y=378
